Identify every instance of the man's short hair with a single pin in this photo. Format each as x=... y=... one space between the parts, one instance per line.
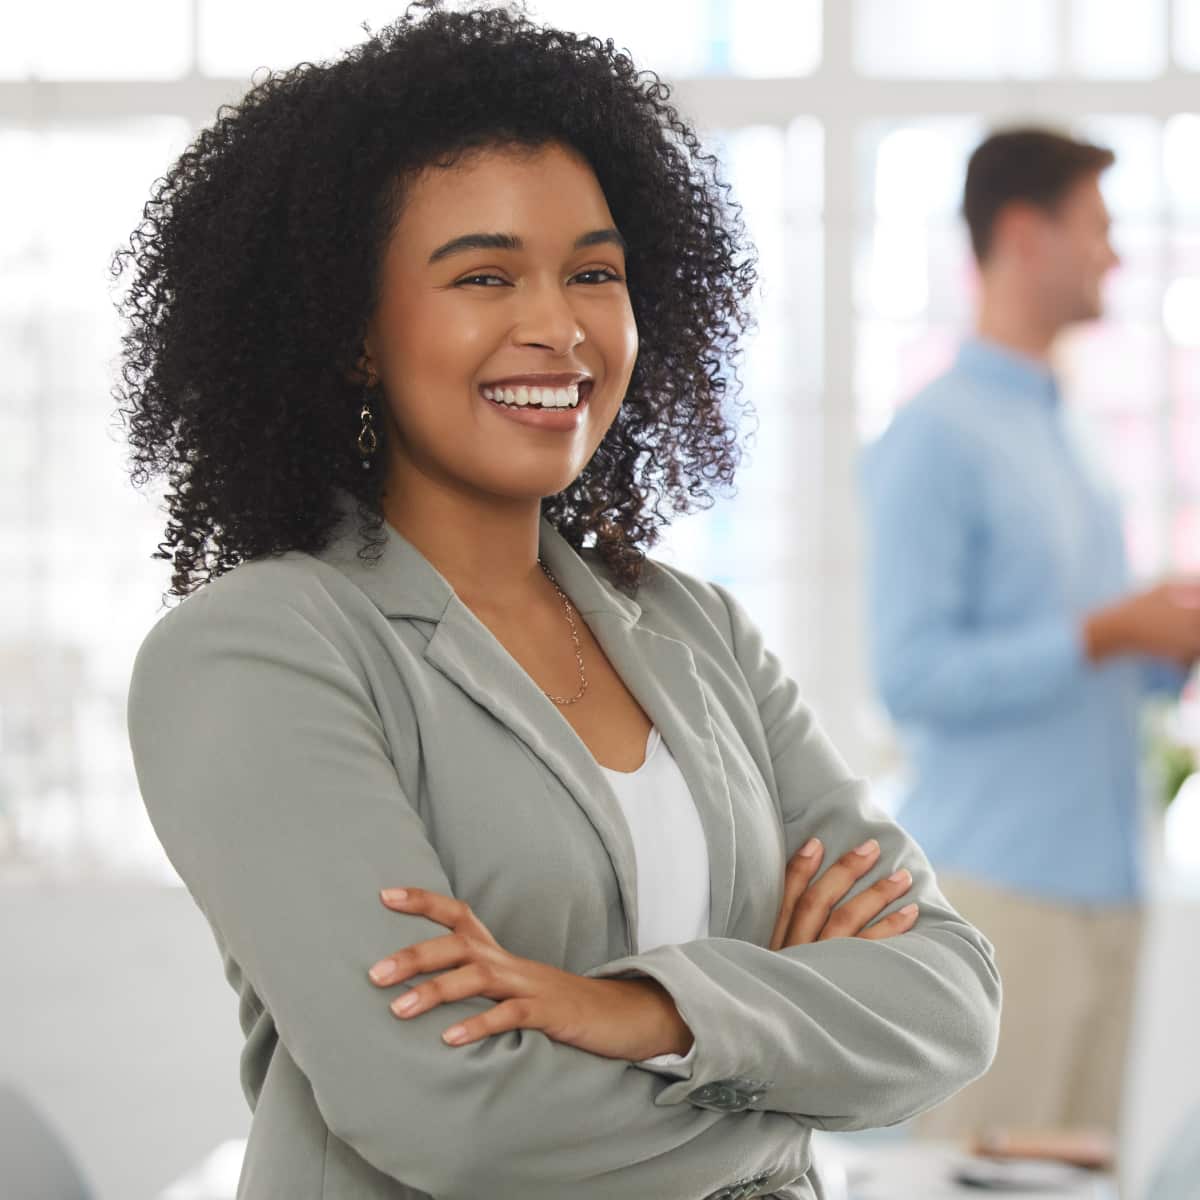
x=1037 y=166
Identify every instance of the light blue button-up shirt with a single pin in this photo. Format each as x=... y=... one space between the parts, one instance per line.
x=990 y=535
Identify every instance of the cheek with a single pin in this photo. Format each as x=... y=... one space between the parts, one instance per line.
x=431 y=341
x=622 y=343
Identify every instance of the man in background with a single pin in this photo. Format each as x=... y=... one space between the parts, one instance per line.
x=1010 y=649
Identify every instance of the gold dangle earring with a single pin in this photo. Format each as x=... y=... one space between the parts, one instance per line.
x=367 y=441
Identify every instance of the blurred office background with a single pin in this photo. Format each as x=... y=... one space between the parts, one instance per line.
x=844 y=127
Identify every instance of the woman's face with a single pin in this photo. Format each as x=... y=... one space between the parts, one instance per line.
x=503 y=272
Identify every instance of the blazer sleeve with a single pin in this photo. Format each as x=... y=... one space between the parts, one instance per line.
x=846 y=1033
x=266 y=772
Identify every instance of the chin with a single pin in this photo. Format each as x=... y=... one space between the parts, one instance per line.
x=530 y=487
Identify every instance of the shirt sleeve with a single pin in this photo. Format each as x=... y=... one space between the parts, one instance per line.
x=674 y=1066
x=267 y=773
x=1162 y=678
x=932 y=663
x=847 y=1033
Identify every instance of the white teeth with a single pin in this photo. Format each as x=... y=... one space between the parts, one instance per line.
x=535 y=397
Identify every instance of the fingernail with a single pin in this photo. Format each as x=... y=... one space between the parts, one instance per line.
x=868 y=847
x=394 y=895
x=901 y=876
x=909 y=910
x=381 y=972
x=810 y=848
x=454 y=1035
x=405 y=1003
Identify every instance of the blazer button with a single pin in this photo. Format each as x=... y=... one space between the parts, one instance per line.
x=729 y=1095
x=753 y=1089
x=742 y=1190
x=722 y=1095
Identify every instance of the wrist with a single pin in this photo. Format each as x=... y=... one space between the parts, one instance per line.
x=671 y=1033
x=1104 y=634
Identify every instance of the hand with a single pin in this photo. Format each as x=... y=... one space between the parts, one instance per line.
x=1163 y=621
x=614 y=1018
x=807 y=913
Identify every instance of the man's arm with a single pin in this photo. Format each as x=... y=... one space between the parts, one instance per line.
x=919 y=486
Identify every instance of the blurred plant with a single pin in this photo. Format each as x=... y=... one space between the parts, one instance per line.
x=1172 y=741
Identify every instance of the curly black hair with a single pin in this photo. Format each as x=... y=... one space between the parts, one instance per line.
x=258 y=262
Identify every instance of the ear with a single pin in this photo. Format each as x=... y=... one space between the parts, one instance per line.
x=1018 y=228
x=365 y=372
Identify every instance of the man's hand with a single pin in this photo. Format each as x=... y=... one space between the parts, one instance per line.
x=1163 y=622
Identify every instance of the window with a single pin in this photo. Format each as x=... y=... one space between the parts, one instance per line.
x=844 y=129
x=946 y=39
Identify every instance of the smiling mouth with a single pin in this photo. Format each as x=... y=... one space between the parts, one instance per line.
x=550 y=399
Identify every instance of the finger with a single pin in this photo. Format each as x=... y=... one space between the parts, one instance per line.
x=901 y=921
x=850 y=918
x=445 y=910
x=474 y=979
x=813 y=908
x=799 y=873
x=517 y=1013
x=436 y=954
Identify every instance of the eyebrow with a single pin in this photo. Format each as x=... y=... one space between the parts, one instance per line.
x=509 y=241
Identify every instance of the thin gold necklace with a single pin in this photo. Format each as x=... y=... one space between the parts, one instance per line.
x=583 y=683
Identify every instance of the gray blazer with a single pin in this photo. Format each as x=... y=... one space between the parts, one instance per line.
x=308 y=729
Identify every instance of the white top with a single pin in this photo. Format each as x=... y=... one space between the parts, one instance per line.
x=672 y=860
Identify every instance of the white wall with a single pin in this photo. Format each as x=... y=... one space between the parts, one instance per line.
x=118 y=1023
x=1163 y=1083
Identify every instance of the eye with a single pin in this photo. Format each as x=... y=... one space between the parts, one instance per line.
x=606 y=275
x=474 y=278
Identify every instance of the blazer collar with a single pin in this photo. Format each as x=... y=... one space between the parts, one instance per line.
x=659 y=671
x=402 y=582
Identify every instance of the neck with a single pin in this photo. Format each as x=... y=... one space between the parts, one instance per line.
x=1012 y=319
x=485 y=547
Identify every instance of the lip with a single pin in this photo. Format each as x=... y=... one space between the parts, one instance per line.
x=555 y=420
x=548 y=379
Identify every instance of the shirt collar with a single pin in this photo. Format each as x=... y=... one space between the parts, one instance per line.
x=1012 y=371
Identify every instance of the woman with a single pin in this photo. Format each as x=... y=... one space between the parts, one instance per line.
x=408 y=330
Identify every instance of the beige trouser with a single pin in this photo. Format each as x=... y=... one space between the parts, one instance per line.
x=1068 y=976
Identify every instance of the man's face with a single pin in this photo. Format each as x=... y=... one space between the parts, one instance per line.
x=1072 y=253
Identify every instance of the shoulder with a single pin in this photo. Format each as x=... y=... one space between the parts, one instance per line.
x=933 y=445
x=937 y=420
x=290 y=603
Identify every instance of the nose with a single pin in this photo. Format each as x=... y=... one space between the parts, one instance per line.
x=547 y=319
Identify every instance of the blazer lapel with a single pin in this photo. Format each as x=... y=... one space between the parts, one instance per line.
x=468 y=653
x=659 y=671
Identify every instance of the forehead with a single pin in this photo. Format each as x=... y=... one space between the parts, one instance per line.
x=546 y=195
